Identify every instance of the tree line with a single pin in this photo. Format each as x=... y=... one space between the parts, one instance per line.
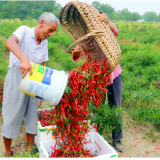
x=125 y=14
x=33 y=9
x=27 y=9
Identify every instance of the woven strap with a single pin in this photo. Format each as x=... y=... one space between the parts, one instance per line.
x=95 y=33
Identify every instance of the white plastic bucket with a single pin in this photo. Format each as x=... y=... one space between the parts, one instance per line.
x=45 y=83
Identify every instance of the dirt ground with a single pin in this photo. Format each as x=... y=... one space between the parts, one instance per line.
x=19 y=144
x=139 y=140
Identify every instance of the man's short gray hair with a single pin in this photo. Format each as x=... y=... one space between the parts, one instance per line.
x=48 y=18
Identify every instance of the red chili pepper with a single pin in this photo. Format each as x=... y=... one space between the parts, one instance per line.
x=98 y=146
x=20 y=147
x=133 y=146
x=95 y=127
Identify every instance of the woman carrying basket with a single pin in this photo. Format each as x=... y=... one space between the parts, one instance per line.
x=114 y=86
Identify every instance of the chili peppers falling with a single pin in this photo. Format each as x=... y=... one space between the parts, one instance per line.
x=87 y=85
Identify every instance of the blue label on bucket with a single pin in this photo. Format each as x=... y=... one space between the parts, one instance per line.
x=39 y=97
x=47 y=76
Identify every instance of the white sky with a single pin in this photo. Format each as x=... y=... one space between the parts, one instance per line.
x=140 y=6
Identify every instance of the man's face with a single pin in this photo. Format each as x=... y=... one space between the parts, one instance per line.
x=46 y=30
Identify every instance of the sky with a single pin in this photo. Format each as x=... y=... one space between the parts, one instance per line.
x=140 y=6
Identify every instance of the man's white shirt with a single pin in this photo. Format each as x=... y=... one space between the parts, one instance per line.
x=28 y=45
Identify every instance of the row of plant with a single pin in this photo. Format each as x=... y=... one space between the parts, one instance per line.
x=139 y=61
x=141 y=68
x=146 y=32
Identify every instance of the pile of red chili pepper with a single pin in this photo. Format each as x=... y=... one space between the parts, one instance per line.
x=87 y=85
x=47 y=117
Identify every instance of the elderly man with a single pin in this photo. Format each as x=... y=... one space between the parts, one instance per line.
x=26 y=44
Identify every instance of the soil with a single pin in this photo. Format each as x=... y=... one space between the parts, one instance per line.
x=139 y=140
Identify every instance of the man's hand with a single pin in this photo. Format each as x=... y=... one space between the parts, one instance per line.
x=25 y=67
x=43 y=63
x=103 y=17
x=75 y=53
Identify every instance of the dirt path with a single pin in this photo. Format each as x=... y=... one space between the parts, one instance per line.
x=140 y=141
x=144 y=140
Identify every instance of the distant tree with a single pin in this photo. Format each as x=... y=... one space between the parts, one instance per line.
x=149 y=16
x=57 y=10
x=36 y=13
x=115 y=16
x=125 y=14
x=2 y=3
x=104 y=7
x=57 y=7
x=48 y=5
x=33 y=9
x=110 y=11
x=157 y=18
x=27 y=9
x=107 y=8
x=16 y=9
x=96 y=4
x=136 y=16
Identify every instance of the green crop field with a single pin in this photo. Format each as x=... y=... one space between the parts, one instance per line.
x=140 y=61
x=140 y=45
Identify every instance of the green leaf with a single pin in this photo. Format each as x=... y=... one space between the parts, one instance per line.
x=16 y=156
x=2 y=156
x=80 y=156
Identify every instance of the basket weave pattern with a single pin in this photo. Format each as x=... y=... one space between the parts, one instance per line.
x=80 y=21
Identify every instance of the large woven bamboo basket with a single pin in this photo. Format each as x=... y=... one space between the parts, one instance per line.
x=80 y=21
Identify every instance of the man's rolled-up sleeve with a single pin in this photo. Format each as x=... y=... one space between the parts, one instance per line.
x=20 y=32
